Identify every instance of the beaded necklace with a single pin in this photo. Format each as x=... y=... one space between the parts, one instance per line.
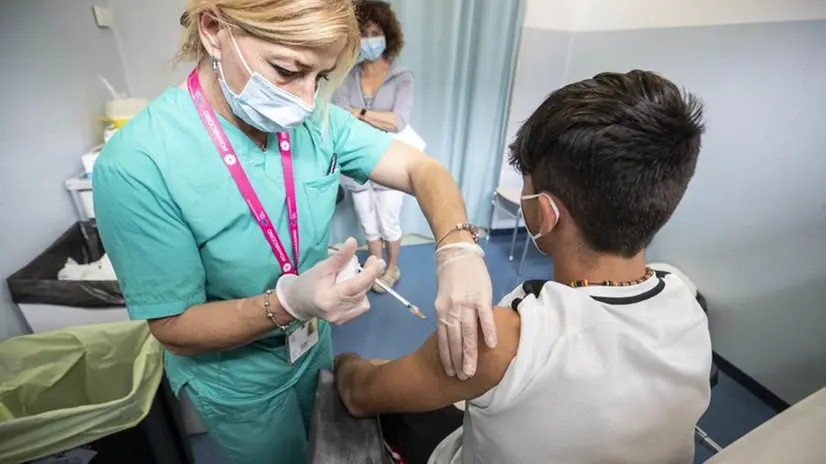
x=649 y=273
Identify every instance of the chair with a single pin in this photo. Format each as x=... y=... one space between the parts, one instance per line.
x=509 y=201
x=700 y=434
x=336 y=436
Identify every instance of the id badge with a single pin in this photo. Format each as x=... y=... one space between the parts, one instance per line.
x=302 y=340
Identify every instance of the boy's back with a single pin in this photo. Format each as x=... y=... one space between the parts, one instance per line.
x=602 y=374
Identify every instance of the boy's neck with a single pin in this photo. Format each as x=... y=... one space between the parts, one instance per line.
x=572 y=265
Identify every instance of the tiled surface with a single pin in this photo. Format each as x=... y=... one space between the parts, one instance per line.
x=388 y=331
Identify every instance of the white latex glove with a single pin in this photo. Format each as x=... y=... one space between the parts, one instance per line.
x=351 y=269
x=316 y=293
x=464 y=299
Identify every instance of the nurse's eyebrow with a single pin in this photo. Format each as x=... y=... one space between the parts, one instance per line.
x=306 y=67
x=301 y=66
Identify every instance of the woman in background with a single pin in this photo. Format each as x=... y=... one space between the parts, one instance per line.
x=379 y=91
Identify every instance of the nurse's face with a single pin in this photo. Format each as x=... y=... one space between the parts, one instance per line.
x=296 y=70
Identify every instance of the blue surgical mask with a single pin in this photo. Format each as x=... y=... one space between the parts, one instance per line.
x=372 y=48
x=262 y=104
x=536 y=236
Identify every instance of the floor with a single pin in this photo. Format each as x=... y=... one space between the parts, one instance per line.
x=388 y=331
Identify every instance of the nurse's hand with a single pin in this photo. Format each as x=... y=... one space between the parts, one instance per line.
x=464 y=299
x=315 y=293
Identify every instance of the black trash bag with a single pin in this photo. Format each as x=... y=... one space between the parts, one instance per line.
x=37 y=282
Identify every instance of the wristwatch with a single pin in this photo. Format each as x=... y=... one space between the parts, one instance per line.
x=362 y=112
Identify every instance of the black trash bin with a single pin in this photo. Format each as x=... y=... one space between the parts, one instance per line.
x=36 y=286
x=37 y=282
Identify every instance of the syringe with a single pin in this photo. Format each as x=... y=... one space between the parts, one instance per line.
x=411 y=307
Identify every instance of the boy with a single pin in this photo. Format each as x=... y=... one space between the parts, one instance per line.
x=609 y=361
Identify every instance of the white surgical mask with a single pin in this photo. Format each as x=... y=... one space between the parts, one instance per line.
x=262 y=104
x=536 y=236
x=372 y=48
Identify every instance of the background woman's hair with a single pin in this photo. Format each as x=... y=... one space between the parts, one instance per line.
x=380 y=13
x=313 y=24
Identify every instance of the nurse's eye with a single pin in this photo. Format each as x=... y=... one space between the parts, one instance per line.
x=285 y=73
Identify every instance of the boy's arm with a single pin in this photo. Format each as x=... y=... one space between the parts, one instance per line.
x=417 y=382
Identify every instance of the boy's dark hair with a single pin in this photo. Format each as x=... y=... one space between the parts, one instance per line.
x=618 y=150
x=379 y=12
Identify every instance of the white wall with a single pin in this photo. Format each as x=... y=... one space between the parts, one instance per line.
x=558 y=15
x=603 y=15
x=50 y=52
x=567 y=16
x=750 y=231
x=148 y=33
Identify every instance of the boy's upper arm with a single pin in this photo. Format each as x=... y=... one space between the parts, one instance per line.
x=417 y=382
x=153 y=251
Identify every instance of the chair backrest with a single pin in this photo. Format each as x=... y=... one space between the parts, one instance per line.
x=336 y=436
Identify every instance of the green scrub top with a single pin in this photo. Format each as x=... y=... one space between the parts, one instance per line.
x=179 y=233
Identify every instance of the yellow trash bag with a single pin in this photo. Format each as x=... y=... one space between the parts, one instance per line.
x=63 y=389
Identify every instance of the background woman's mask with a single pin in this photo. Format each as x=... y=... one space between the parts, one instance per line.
x=372 y=48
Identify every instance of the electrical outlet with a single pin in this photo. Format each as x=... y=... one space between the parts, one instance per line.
x=104 y=17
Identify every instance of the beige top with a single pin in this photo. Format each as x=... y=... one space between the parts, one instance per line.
x=795 y=436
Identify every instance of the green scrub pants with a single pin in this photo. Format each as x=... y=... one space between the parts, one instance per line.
x=269 y=426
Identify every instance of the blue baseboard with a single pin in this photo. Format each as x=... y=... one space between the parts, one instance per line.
x=754 y=387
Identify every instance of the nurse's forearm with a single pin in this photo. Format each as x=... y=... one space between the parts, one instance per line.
x=407 y=169
x=218 y=326
x=440 y=200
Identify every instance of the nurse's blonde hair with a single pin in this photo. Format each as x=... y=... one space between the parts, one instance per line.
x=313 y=24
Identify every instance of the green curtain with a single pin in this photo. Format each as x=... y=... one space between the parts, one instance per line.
x=463 y=56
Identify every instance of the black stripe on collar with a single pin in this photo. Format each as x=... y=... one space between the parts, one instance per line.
x=534 y=287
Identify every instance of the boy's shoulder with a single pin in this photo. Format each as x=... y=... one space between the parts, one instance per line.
x=540 y=293
x=565 y=310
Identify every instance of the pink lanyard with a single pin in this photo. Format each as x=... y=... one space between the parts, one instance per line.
x=219 y=138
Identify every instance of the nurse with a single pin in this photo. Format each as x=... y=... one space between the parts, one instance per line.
x=214 y=205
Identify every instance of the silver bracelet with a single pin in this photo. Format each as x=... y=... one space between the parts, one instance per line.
x=270 y=314
x=474 y=232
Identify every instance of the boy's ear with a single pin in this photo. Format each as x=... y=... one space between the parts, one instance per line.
x=550 y=215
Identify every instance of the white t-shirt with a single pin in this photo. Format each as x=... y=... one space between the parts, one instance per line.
x=601 y=375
